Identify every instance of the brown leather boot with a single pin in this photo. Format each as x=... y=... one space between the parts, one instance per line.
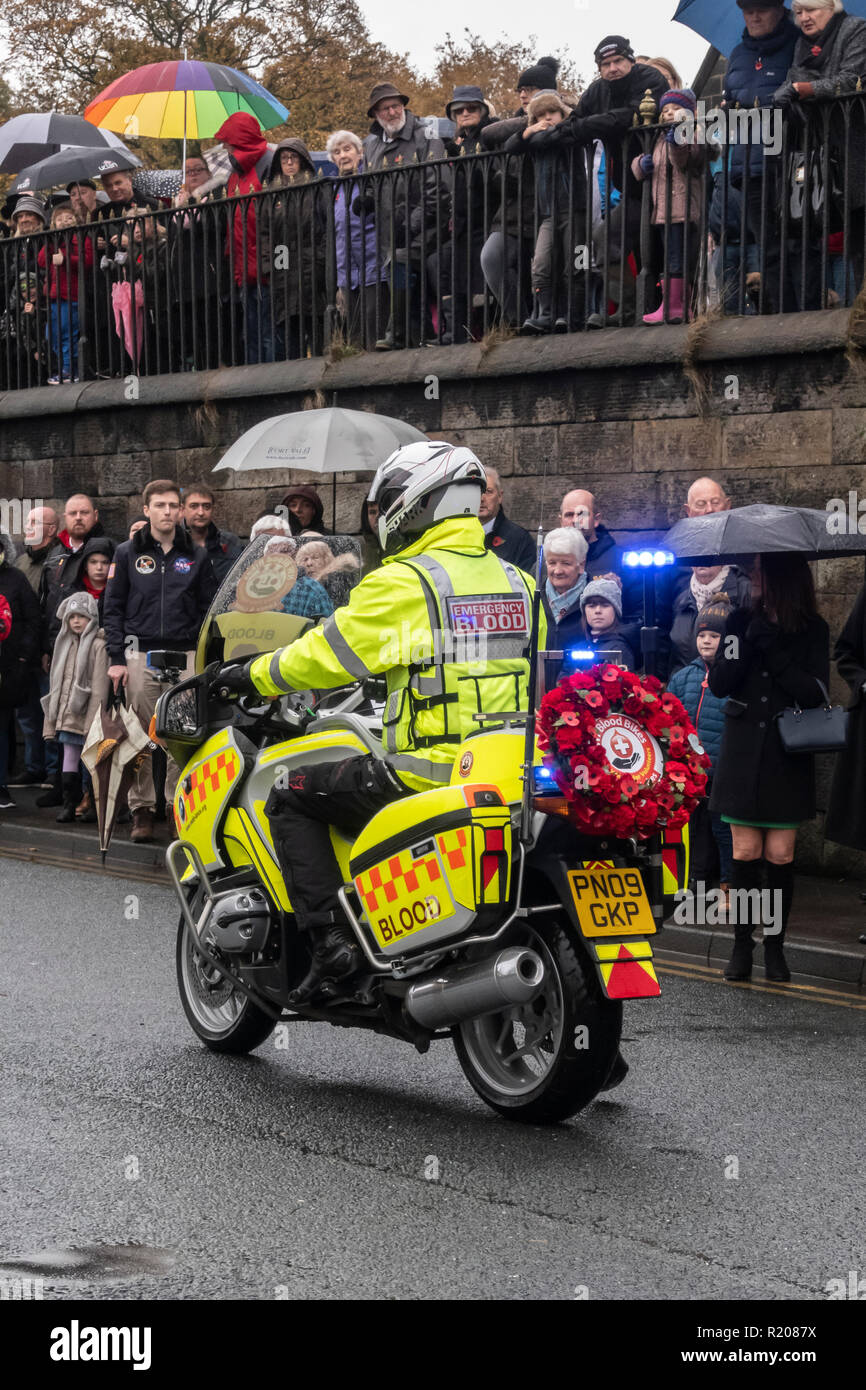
x=142 y=825
x=85 y=810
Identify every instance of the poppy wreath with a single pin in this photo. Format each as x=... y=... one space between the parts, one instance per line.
x=605 y=800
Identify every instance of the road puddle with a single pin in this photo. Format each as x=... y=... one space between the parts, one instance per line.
x=93 y=1262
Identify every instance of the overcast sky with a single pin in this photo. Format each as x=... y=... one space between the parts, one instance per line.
x=575 y=26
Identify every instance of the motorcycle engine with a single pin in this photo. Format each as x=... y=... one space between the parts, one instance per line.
x=240 y=921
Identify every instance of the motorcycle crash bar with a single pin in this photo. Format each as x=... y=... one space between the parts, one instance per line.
x=512 y=976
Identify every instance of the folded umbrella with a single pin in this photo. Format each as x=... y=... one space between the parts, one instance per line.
x=762 y=529
x=115 y=740
x=78 y=162
x=129 y=316
x=26 y=139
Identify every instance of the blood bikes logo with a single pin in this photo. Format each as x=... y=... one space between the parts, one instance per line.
x=629 y=749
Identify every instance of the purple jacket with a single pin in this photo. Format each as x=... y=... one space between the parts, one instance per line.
x=357 y=246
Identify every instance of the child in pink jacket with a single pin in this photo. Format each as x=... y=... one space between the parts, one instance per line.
x=679 y=164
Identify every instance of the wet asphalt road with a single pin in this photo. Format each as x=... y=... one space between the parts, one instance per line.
x=301 y=1173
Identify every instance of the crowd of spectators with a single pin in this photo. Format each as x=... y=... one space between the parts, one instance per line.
x=79 y=614
x=392 y=237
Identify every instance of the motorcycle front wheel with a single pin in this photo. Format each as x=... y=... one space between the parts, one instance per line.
x=541 y=1062
x=225 y=1019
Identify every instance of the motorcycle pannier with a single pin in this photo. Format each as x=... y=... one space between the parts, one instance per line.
x=432 y=866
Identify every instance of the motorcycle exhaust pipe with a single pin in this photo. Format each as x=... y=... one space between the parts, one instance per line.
x=512 y=976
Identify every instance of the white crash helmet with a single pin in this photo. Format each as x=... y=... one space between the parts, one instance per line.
x=422 y=484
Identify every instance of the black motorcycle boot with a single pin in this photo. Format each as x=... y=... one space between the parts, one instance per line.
x=71 y=789
x=335 y=954
x=780 y=880
x=746 y=875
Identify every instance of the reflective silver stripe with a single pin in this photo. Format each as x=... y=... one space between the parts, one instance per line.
x=421 y=767
x=343 y=652
x=439 y=575
x=436 y=616
x=276 y=676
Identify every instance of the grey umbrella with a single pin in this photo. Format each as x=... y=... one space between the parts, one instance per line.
x=37 y=134
x=77 y=162
x=332 y=440
x=763 y=529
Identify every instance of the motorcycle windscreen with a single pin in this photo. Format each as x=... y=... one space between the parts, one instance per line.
x=278 y=588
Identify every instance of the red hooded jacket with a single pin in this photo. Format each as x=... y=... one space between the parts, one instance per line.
x=63 y=279
x=243 y=134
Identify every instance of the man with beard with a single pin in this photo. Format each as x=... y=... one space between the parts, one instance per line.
x=409 y=207
x=606 y=111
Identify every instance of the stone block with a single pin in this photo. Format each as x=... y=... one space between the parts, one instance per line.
x=11 y=479
x=238 y=509
x=350 y=500
x=125 y=474
x=113 y=517
x=487 y=402
x=94 y=432
x=777 y=441
x=849 y=437
x=599 y=446
x=76 y=475
x=668 y=445
x=494 y=447
x=536 y=451
x=38 y=479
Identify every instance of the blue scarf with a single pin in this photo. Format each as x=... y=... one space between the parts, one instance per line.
x=560 y=604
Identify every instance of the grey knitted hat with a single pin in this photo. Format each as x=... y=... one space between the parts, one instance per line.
x=81 y=602
x=605 y=589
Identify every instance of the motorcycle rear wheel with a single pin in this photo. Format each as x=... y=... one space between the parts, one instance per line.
x=542 y=1062
x=225 y=1019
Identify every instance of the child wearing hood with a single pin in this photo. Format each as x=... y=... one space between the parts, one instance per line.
x=678 y=163
x=707 y=713
x=294 y=230
x=79 y=680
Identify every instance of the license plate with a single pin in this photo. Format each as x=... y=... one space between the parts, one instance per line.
x=611 y=902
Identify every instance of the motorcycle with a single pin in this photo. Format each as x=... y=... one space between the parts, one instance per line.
x=482 y=915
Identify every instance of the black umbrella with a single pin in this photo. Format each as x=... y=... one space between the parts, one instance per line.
x=37 y=134
x=765 y=530
x=78 y=162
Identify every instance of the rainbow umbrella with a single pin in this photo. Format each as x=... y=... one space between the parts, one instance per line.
x=180 y=99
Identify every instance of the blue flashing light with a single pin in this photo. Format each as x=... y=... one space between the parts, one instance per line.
x=645 y=559
x=582 y=654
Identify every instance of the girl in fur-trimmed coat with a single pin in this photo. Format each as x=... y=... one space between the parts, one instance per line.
x=79 y=678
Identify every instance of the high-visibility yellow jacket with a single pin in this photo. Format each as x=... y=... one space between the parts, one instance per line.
x=447 y=623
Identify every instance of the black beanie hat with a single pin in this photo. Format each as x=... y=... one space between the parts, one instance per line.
x=542 y=75
x=614 y=44
x=713 y=617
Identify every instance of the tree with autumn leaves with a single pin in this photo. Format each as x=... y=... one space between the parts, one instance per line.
x=316 y=56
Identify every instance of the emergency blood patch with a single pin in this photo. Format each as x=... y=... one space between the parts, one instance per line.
x=494 y=616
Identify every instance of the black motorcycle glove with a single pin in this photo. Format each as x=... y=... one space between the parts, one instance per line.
x=233 y=680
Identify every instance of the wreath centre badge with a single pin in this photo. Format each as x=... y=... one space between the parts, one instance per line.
x=630 y=749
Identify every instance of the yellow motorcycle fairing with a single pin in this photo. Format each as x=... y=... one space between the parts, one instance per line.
x=203 y=789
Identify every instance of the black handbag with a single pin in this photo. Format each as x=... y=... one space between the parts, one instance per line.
x=820 y=730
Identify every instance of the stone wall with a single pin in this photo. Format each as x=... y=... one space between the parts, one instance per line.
x=774 y=408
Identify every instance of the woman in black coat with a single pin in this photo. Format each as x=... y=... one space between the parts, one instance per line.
x=772 y=654
x=846 y=814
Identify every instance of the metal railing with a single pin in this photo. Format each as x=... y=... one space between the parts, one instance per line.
x=759 y=212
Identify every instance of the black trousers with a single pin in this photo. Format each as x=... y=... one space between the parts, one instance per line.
x=346 y=795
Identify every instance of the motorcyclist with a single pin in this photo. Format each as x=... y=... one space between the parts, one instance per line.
x=447 y=622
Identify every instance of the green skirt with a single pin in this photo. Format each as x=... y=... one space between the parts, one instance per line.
x=763 y=824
